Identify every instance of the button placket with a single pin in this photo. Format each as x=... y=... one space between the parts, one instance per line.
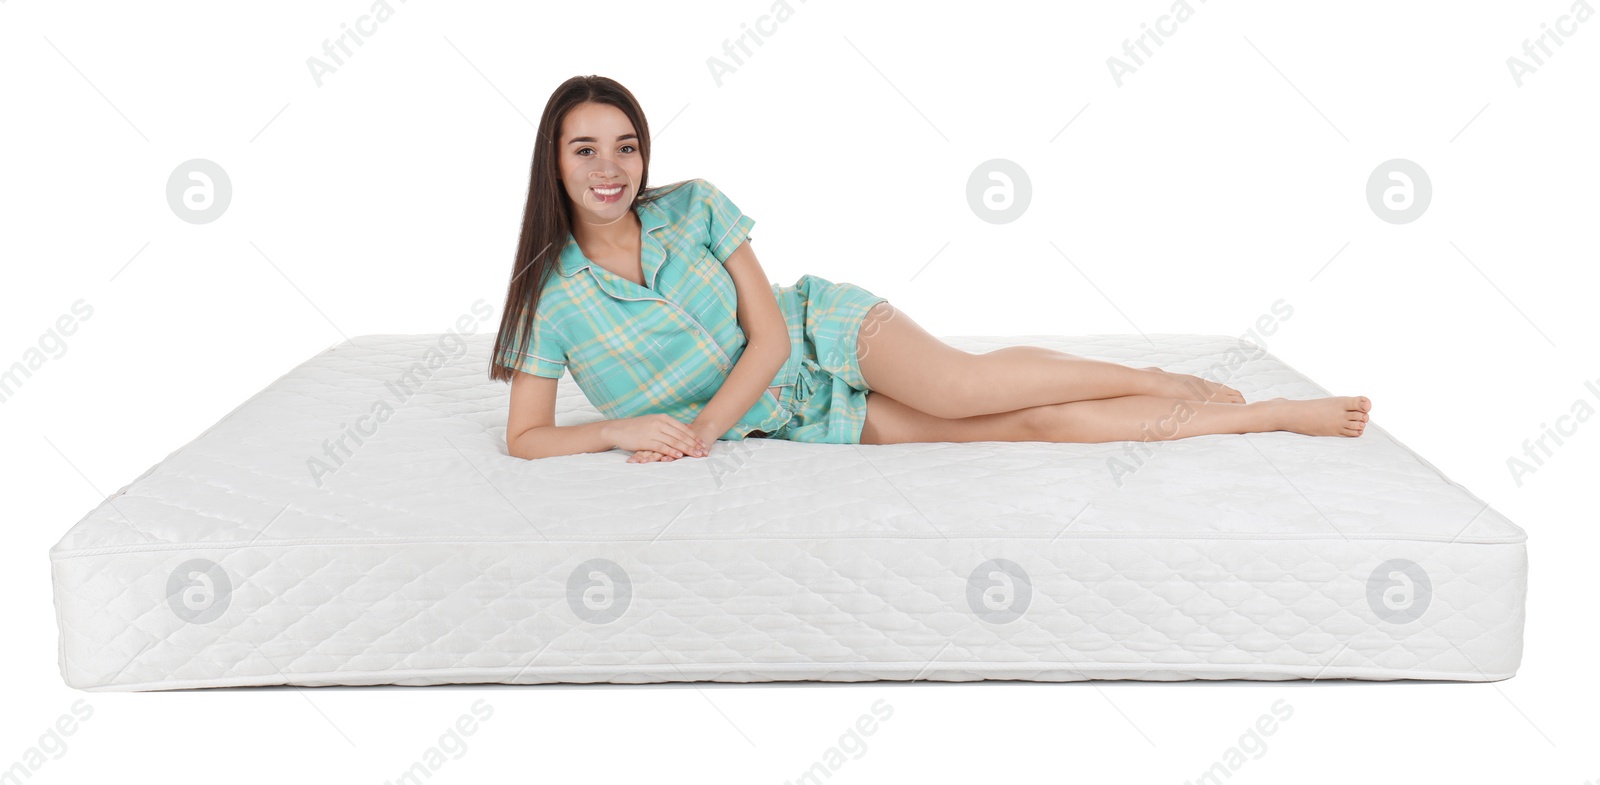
x=705 y=335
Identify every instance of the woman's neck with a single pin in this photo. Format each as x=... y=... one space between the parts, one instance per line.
x=620 y=235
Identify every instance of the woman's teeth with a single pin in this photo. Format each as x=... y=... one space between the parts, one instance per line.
x=608 y=194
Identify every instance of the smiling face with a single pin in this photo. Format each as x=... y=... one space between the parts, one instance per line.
x=599 y=146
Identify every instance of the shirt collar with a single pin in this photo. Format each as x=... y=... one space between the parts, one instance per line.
x=651 y=218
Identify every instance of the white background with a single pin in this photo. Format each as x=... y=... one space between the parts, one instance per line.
x=1225 y=173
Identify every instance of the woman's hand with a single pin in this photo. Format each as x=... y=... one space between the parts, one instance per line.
x=658 y=433
x=649 y=456
x=652 y=456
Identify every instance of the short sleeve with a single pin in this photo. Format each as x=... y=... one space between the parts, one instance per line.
x=545 y=355
x=727 y=226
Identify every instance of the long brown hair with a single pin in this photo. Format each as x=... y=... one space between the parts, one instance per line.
x=547 y=218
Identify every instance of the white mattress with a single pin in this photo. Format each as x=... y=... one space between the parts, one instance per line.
x=431 y=556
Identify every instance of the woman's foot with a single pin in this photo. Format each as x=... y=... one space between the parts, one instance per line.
x=1336 y=416
x=1193 y=388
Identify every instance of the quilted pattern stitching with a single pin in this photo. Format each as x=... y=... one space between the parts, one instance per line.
x=429 y=555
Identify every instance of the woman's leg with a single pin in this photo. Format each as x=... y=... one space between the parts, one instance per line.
x=1020 y=361
x=1152 y=418
x=902 y=360
x=1123 y=418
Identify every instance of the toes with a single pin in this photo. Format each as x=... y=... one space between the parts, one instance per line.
x=1364 y=403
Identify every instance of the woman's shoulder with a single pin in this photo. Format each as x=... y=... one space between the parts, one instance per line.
x=675 y=195
x=558 y=291
x=694 y=204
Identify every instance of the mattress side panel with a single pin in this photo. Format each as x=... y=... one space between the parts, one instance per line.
x=675 y=610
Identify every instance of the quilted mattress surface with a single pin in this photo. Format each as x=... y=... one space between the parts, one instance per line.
x=359 y=521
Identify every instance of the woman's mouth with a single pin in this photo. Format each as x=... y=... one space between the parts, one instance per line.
x=607 y=193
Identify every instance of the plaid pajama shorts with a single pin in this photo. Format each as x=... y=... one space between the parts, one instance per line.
x=822 y=383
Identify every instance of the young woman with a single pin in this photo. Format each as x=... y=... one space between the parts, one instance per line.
x=654 y=300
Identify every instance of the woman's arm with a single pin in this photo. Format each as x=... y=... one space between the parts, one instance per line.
x=548 y=441
x=766 y=347
x=531 y=431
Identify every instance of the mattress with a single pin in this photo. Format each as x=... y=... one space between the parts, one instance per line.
x=359 y=521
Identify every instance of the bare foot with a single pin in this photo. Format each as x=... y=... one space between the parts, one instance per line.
x=1193 y=388
x=1336 y=416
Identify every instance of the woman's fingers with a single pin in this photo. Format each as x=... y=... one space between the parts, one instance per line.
x=678 y=445
x=677 y=441
x=690 y=442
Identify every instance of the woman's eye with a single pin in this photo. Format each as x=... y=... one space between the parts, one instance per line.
x=581 y=149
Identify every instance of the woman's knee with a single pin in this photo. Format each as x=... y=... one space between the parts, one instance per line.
x=968 y=387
